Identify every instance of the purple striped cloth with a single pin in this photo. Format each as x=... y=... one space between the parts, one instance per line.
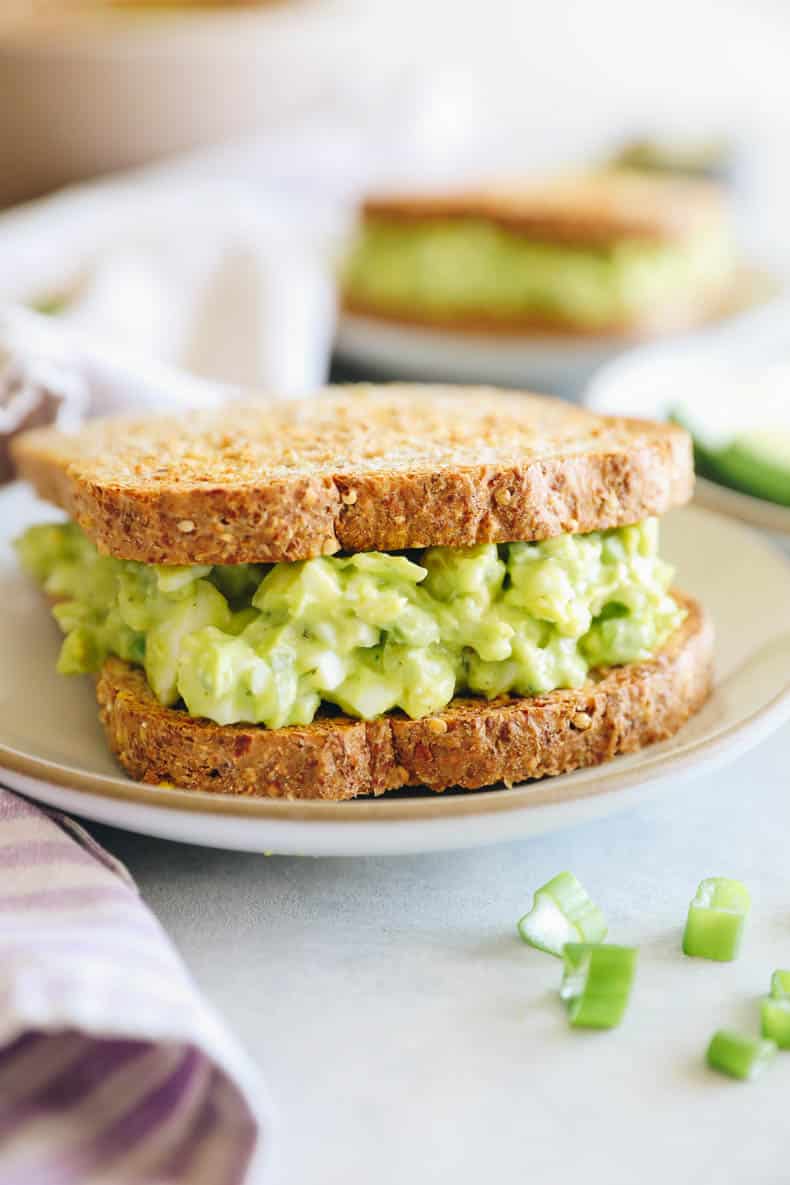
x=113 y=1070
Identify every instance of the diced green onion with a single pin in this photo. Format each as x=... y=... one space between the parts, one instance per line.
x=716 y=919
x=739 y=1056
x=775 y=1010
x=780 y=985
x=562 y=912
x=596 y=983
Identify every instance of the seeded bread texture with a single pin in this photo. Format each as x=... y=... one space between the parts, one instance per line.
x=361 y=469
x=591 y=209
x=473 y=743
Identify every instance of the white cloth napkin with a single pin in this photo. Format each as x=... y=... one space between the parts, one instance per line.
x=177 y=293
x=221 y=263
x=190 y=274
x=90 y=377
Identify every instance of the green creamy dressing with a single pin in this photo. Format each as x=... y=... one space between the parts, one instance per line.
x=368 y=632
x=465 y=266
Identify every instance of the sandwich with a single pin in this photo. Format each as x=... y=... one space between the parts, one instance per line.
x=617 y=252
x=373 y=589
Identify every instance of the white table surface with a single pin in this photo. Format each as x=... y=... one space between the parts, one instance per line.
x=409 y=1036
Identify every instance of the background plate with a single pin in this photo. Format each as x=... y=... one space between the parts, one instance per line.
x=560 y=363
x=52 y=748
x=648 y=382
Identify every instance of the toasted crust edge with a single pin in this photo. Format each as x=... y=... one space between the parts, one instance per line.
x=472 y=744
x=671 y=318
x=286 y=520
x=589 y=219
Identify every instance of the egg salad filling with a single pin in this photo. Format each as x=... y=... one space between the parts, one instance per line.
x=369 y=632
x=471 y=267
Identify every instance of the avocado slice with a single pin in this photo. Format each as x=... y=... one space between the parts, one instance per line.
x=758 y=463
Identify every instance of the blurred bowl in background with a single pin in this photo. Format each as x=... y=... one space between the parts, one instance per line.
x=104 y=90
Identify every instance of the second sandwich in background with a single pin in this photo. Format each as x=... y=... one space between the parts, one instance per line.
x=612 y=253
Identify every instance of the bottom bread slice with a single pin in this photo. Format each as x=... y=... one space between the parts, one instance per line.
x=473 y=743
x=696 y=309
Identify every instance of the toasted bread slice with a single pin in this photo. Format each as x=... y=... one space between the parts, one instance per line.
x=383 y=469
x=587 y=209
x=473 y=743
x=694 y=309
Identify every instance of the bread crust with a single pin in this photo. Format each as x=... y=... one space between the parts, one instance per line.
x=474 y=743
x=591 y=209
x=671 y=318
x=385 y=468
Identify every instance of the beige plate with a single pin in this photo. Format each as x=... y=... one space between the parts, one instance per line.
x=767 y=516
x=51 y=746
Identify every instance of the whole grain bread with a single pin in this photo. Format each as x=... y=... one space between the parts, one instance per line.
x=587 y=208
x=473 y=743
x=373 y=469
x=695 y=308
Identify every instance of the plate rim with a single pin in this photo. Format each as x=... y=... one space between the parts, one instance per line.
x=543 y=792
x=746 y=508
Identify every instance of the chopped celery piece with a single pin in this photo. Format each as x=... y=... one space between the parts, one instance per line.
x=562 y=912
x=775 y=1020
x=739 y=1056
x=716 y=919
x=596 y=983
x=775 y=1010
x=780 y=985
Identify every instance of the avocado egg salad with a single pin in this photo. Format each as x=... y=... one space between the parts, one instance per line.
x=368 y=632
x=471 y=267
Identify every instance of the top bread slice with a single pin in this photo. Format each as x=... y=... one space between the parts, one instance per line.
x=586 y=209
x=385 y=468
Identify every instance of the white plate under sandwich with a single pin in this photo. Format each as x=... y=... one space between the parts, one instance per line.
x=52 y=748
